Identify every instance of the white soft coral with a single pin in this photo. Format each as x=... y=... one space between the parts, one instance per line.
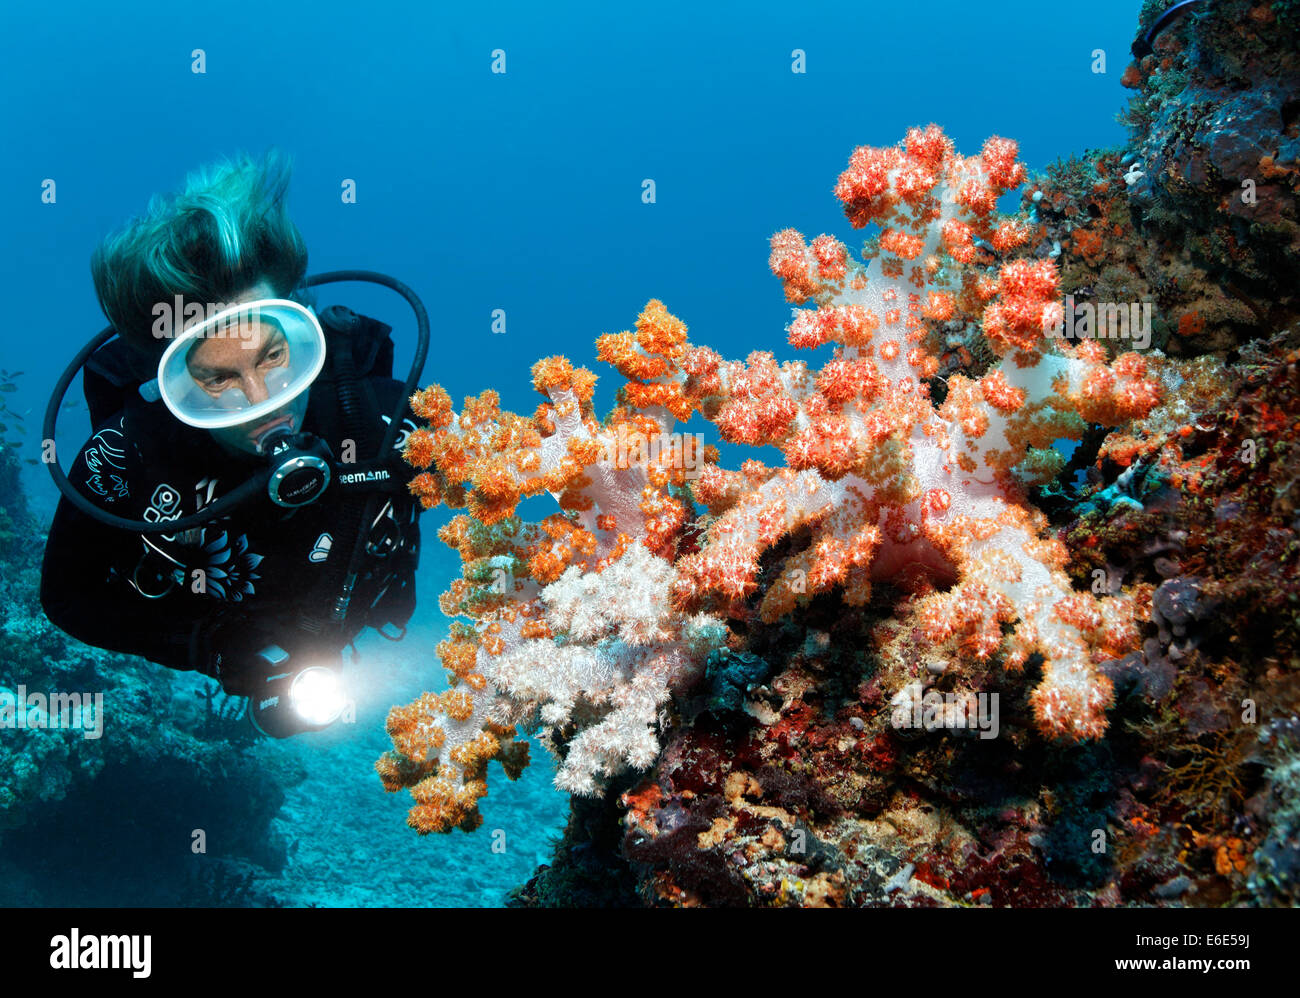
x=618 y=648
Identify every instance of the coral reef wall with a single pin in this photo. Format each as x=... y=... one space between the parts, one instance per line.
x=1211 y=177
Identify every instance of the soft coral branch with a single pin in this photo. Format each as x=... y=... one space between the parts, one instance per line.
x=571 y=630
x=887 y=485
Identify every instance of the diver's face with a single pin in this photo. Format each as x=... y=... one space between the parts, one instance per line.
x=242 y=363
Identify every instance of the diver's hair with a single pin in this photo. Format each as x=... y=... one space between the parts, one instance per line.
x=210 y=242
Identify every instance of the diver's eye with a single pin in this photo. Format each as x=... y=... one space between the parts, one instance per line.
x=216 y=385
x=275 y=357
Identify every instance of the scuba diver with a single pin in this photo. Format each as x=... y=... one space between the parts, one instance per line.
x=241 y=506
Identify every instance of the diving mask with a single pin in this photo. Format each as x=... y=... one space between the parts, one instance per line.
x=244 y=370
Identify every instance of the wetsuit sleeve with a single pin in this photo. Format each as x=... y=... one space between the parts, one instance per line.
x=86 y=570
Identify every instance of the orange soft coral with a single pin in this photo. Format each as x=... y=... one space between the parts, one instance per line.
x=885 y=484
x=878 y=484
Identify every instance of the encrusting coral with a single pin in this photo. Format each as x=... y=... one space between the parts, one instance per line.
x=586 y=622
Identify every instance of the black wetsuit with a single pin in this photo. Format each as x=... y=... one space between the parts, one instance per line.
x=210 y=598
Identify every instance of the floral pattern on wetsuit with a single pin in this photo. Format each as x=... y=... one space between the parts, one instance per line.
x=229 y=573
x=105 y=459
